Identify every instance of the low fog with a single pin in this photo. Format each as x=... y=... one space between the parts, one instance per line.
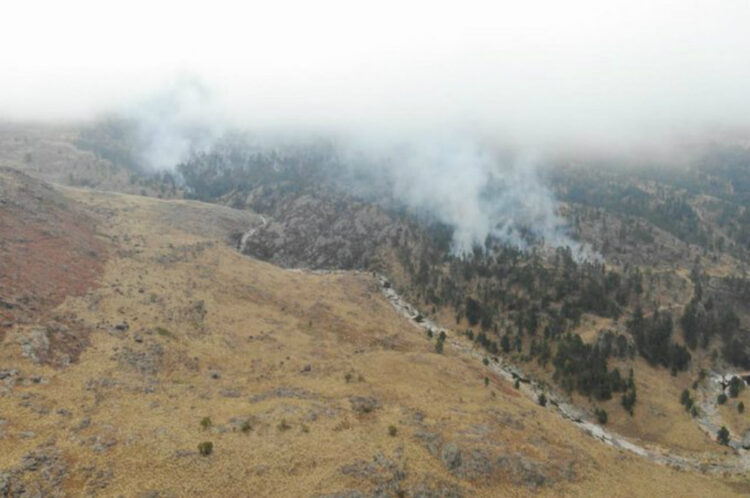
x=428 y=92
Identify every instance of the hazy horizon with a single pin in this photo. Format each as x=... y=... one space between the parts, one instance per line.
x=539 y=75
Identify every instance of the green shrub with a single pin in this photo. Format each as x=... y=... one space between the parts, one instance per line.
x=735 y=386
x=439 y=347
x=723 y=436
x=542 y=400
x=628 y=401
x=392 y=430
x=206 y=448
x=164 y=332
x=206 y=423
x=741 y=407
x=721 y=399
x=601 y=415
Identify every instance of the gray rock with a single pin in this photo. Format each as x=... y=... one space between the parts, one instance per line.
x=450 y=454
x=431 y=441
x=84 y=424
x=230 y=393
x=4 y=374
x=363 y=404
x=4 y=483
x=746 y=440
x=343 y=494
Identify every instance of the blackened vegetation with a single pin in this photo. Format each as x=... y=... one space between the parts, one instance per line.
x=711 y=314
x=236 y=166
x=665 y=208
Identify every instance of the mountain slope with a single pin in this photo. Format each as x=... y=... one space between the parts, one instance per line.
x=301 y=374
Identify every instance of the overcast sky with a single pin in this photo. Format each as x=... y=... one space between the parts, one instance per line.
x=538 y=72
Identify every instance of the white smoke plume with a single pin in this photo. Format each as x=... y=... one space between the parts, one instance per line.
x=471 y=187
x=174 y=123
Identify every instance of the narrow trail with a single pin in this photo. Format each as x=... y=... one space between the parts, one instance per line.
x=738 y=464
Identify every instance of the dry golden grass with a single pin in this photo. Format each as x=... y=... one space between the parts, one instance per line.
x=659 y=416
x=737 y=423
x=262 y=326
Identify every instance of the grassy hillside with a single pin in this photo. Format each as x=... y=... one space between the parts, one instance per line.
x=306 y=384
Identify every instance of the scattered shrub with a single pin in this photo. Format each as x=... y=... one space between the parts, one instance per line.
x=601 y=415
x=206 y=423
x=628 y=401
x=721 y=399
x=392 y=430
x=283 y=425
x=542 y=400
x=686 y=400
x=723 y=436
x=439 y=343
x=735 y=386
x=164 y=332
x=206 y=448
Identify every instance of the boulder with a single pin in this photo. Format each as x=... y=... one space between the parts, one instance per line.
x=450 y=454
x=746 y=440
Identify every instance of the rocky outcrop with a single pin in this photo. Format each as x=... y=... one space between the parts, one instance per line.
x=41 y=472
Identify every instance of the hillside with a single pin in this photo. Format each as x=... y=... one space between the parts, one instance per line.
x=307 y=384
